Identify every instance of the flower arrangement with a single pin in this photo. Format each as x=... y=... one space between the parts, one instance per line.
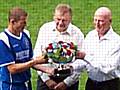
x=61 y=52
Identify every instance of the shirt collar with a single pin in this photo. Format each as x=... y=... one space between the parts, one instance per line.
x=17 y=37
x=68 y=31
x=107 y=36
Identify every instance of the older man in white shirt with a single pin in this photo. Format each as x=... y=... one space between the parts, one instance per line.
x=61 y=29
x=101 y=54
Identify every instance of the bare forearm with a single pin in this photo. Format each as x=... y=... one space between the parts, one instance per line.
x=19 y=67
x=44 y=68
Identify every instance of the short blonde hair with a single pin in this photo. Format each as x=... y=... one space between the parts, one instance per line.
x=63 y=8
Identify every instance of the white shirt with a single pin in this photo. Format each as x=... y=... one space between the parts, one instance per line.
x=49 y=34
x=102 y=56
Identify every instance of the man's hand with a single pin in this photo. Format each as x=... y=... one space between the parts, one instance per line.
x=80 y=55
x=51 y=84
x=60 y=86
x=41 y=59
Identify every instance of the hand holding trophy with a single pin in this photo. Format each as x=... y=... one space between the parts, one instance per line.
x=42 y=58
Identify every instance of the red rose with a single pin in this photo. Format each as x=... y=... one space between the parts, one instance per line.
x=64 y=46
x=50 y=46
x=69 y=52
x=72 y=46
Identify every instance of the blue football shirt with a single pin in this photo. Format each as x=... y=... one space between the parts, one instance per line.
x=16 y=50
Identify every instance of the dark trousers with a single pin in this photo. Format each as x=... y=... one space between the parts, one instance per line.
x=113 y=84
x=42 y=86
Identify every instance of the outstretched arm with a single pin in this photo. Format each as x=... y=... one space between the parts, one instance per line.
x=45 y=69
x=20 y=67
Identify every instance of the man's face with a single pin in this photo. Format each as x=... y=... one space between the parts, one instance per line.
x=20 y=24
x=101 y=23
x=62 y=21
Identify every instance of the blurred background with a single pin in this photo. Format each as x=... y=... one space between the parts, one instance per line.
x=41 y=11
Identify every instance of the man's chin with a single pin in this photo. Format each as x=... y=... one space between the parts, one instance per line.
x=22 y=29
x=62 y=29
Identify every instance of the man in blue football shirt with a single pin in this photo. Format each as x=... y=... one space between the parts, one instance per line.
x=16 y=53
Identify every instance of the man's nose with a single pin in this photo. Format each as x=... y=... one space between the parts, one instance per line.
x=97 y=21
x=61 y=22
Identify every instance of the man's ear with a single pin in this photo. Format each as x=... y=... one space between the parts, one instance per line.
x=110 y=20
x=12 y=21
x=53 y=17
